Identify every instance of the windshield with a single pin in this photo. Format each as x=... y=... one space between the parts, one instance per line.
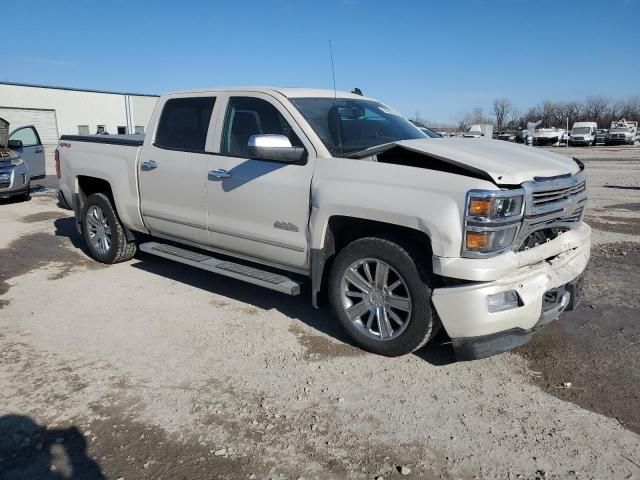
x=348 y=125
x=581 y=130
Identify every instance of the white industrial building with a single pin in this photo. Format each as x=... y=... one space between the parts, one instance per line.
x=56 y=111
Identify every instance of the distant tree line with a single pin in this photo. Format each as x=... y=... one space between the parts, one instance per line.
x=505 y=116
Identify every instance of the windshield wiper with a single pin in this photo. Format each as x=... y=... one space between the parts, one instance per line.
x=358 y=153
x=371 y=150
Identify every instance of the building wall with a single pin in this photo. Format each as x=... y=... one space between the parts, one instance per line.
x=75 y=107
x=142 y=110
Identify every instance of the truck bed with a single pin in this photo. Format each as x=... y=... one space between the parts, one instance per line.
x=111 y=158
x=135 y=140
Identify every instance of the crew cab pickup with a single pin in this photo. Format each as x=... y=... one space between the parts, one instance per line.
x=401 y=233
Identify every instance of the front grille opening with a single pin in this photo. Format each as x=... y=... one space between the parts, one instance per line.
x=540 y=237
x=558 y=194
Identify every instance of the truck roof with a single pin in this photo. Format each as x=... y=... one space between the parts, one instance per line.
x=289 y=92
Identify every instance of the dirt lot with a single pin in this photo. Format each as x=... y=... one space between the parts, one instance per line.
x=151 y=369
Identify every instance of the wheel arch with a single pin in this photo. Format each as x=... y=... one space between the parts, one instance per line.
x=86 y=186
x=341 y=230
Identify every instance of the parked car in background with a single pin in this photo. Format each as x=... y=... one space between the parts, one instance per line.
x=583 y=133
x=506 y=136
x=479 y=130
x=400 y=231
x=601 y=136
x=623 y=132
x=548 y=136
x=22 y=159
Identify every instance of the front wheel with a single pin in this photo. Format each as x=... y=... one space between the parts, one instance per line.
x=103 y=233
x=26 y=196
x=382 y=297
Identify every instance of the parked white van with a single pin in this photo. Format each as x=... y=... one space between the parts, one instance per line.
x=583 y=133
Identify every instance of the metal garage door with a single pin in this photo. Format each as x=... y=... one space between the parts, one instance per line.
x=43 y=120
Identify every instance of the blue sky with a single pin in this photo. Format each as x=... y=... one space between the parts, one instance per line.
x=438 y=58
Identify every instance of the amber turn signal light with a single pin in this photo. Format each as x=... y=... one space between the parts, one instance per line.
x=480 y=207
x=478 y=241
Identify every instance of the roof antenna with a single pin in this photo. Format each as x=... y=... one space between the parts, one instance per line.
x=335 y=97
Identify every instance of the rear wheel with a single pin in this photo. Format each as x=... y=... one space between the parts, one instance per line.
x=382 y=297
x=103 y=233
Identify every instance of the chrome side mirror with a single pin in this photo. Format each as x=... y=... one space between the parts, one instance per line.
x=276 y=148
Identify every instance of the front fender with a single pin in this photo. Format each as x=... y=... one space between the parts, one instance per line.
x=425 y=200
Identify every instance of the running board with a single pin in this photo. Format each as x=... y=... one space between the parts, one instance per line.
x=253 y=275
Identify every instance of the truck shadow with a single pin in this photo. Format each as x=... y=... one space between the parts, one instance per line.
x=437 y=352
x=33 y=451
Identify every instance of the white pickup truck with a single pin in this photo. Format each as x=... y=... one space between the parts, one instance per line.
x=402 y=233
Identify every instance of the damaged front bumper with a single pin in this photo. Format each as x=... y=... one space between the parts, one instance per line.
x=547 y=280
x=567 y=297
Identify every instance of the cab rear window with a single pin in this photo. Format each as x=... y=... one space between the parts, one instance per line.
x=184 y=123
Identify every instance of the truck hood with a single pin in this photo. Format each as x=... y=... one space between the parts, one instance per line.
x=504 y=163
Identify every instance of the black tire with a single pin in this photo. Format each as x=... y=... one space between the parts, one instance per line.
x=423 y=323
x=26 y=196
x=120 y=249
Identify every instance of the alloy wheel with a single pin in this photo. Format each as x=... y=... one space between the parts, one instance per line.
x=376 y=299
x=98 y=229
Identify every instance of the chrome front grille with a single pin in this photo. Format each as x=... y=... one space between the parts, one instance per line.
x=552 y=204
x=553 y=195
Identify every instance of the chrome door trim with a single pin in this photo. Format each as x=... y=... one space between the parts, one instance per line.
x=257 y=239
x=172 y=220
x=225 y=232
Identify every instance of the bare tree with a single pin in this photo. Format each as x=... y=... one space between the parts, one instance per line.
x=475 y=116
x=596 y=107
x=502 y=108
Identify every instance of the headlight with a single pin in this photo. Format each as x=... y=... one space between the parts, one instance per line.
x=492 y=221
x=17 y=161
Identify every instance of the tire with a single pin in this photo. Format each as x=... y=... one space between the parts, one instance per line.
x=419 y=323
x=26 y=196
x=100 y=221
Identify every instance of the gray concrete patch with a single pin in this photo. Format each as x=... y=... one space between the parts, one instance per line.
x=597 y=347
x=38 y=249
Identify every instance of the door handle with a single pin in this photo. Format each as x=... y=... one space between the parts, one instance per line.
x=218 y=174
x=37 y=150
x=148 y=165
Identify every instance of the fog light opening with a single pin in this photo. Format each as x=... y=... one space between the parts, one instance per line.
x=503 y=301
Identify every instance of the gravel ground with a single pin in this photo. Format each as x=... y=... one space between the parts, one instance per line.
x=150 y=369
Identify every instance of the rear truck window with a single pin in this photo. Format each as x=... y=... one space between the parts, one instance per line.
x=184 y=123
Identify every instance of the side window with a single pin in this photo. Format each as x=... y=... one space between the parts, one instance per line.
x=247 y=116
x=184 y=123
x=28 y=136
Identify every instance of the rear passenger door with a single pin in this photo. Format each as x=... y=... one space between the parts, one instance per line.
x=173 y=169
x=31 y=151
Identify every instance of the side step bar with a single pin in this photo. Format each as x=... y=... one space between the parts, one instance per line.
x=253 y=275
